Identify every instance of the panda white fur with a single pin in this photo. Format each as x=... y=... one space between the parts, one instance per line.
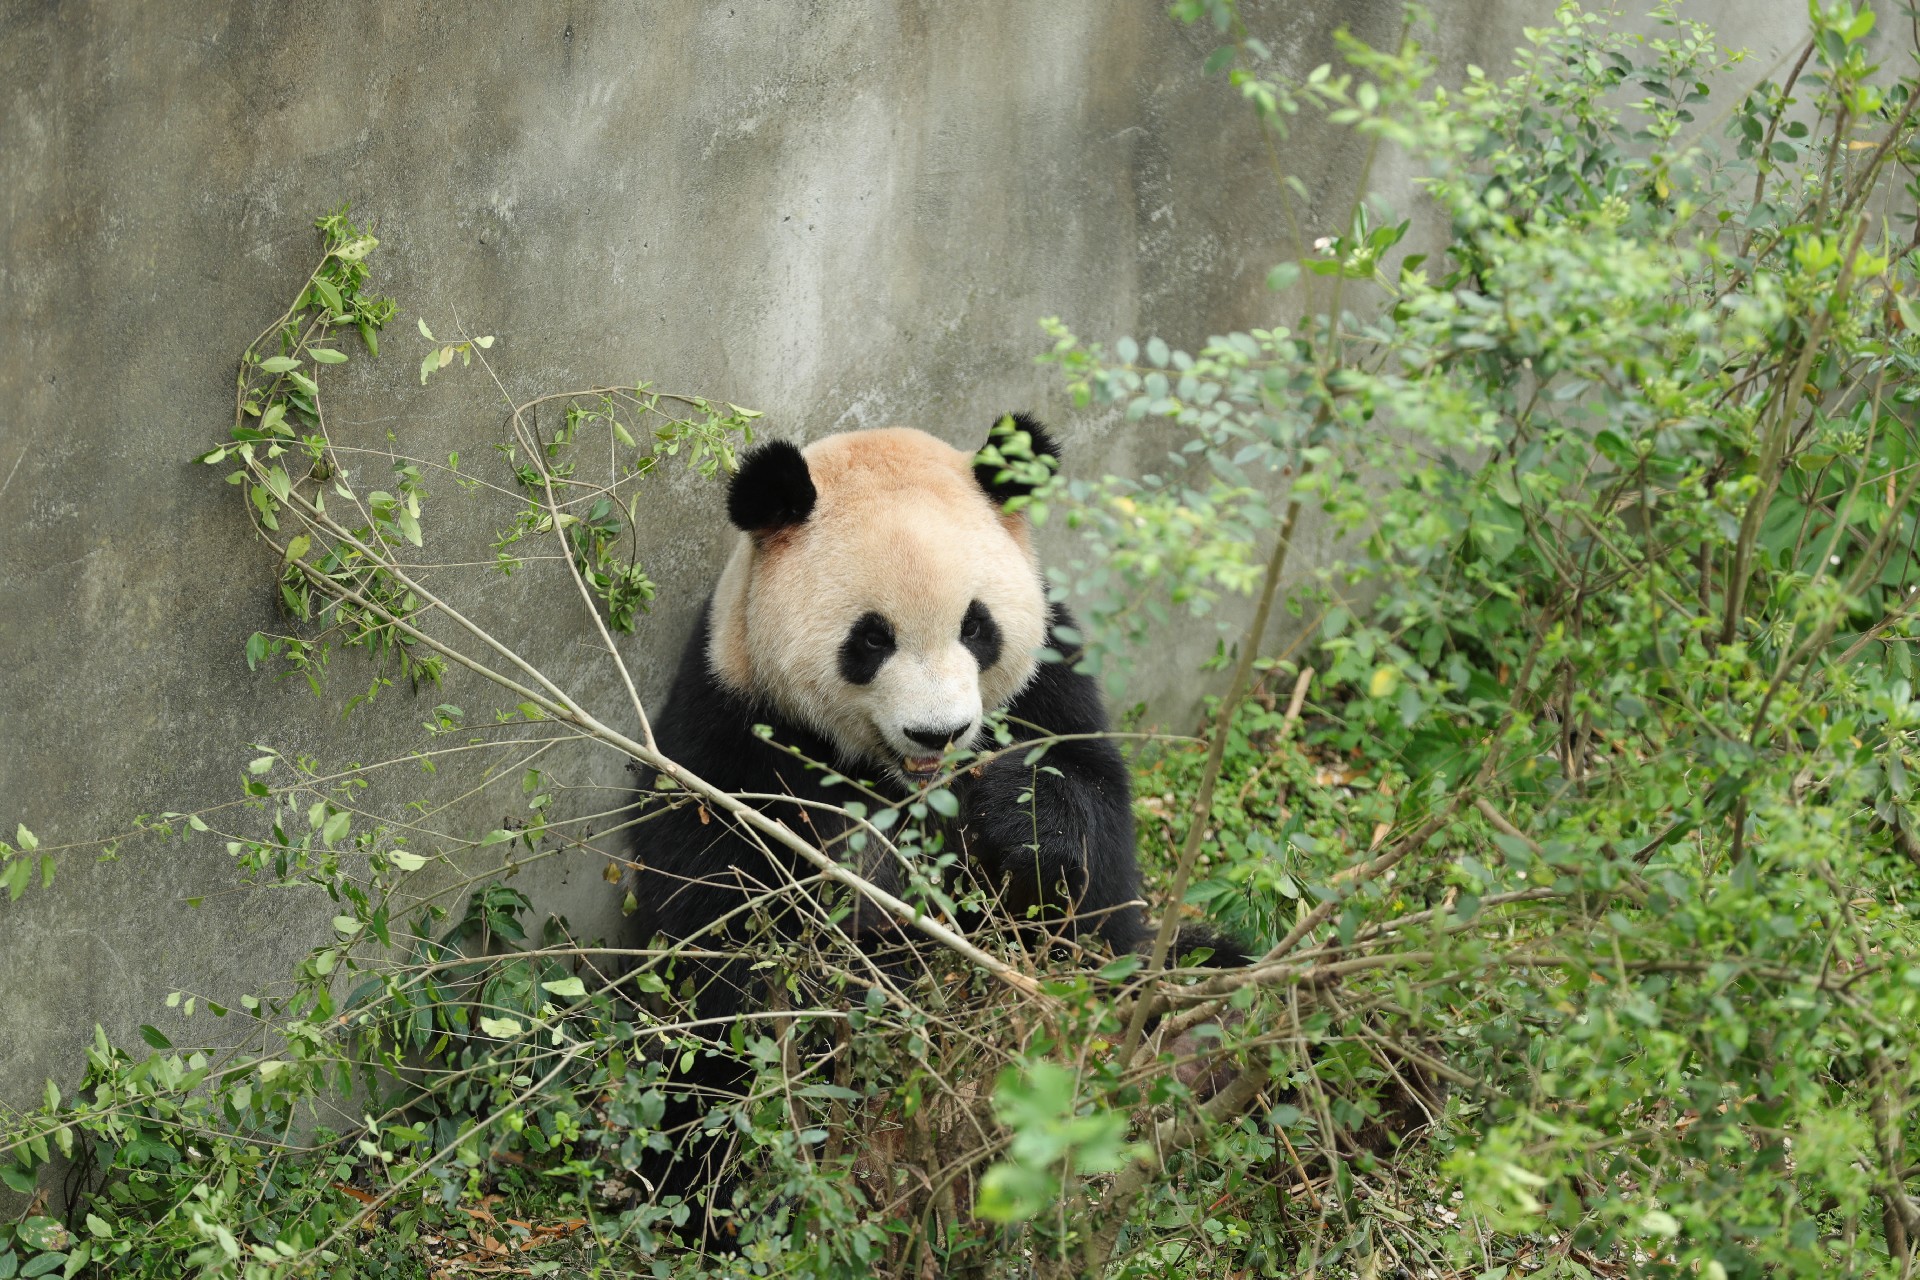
x=881 y=601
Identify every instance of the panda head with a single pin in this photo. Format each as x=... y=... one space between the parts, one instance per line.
x=881 y=593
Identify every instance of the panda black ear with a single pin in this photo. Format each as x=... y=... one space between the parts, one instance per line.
x=771 y=490
x=1008 y=467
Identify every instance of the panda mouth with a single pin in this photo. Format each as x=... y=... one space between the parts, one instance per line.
x=920 y=768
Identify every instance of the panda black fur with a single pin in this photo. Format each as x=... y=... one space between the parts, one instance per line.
x=880 y=602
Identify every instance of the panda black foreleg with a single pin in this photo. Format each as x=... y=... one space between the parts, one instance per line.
x=1057 y=836
x=1058 y=840
x=697 y=1163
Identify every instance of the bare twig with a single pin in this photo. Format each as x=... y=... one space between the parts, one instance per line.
x=1201 y=810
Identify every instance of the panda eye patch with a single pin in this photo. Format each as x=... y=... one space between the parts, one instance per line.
x=980 y=634
x=869 y=643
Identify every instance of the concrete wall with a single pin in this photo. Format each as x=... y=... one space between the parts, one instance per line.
x=843 y=213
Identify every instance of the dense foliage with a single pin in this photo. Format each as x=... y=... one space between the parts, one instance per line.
x=1577 y=829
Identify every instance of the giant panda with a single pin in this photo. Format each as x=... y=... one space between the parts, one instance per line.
x=881 y=601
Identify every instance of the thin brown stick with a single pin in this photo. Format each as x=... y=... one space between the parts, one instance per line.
x=1202 y=808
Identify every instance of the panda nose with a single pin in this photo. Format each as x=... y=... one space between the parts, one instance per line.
x=936 y=738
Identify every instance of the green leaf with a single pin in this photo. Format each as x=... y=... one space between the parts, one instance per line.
x=330 y=296
x=279 y=364
x=327 y=355
x=1907 y=316
x=264 y=503
x=942 y=802
x=1658 y=1222
x=27 y=841
x=1010 y=1193
x=405 y=861
x=424 y=331
x=1497 y=527
x=260 y=764
x=501 y=1028
x=573 y=988
x=1507 y=486
x=153 y=1037
x=336 y=828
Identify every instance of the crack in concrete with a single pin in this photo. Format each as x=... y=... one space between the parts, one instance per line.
x=16 y=467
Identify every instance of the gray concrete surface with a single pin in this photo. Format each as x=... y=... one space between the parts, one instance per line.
x=844 y=213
